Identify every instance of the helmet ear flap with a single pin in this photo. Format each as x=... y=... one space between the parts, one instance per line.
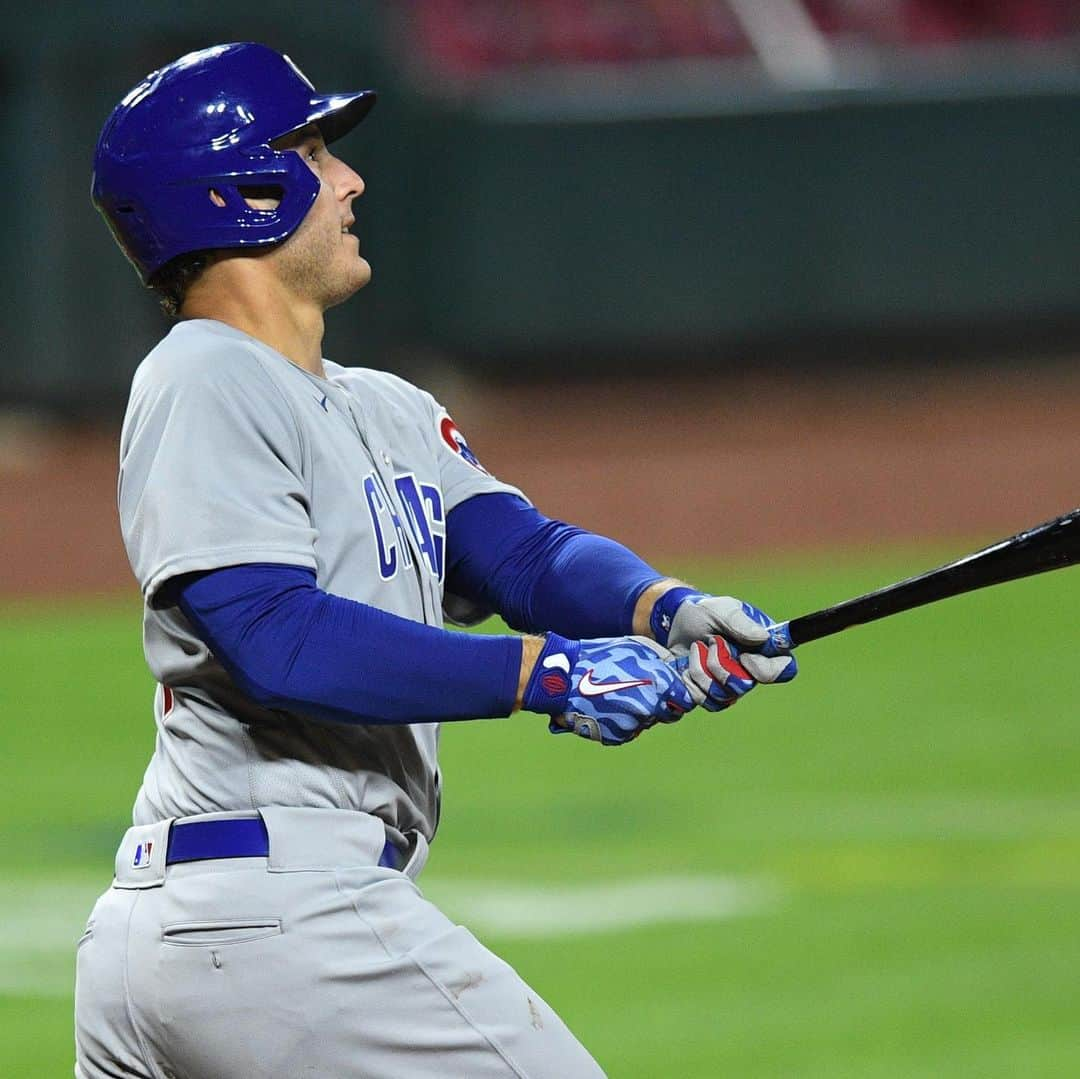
x=187 y=216
x=269 y=198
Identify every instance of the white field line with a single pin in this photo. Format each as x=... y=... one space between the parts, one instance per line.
x=41 y=921
x=569 y=910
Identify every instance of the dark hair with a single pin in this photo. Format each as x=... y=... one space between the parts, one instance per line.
x=173 y=280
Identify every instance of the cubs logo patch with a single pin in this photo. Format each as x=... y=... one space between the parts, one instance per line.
x=455 y=440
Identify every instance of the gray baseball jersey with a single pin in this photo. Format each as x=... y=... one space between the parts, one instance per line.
x=231 y=454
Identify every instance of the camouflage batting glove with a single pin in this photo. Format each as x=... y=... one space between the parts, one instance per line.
x=682 y=616
x=607 y=690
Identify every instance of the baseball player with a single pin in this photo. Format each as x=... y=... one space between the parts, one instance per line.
x=299 y=531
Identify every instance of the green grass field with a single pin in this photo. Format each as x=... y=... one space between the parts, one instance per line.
x=872 y=872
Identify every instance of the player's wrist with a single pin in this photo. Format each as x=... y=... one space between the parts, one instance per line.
x=547 y=690
x=662 y=615
x=530 y=652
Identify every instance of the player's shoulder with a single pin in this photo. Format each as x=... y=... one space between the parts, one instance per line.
x=206 y=364
x=382 y=387
x=196 y=353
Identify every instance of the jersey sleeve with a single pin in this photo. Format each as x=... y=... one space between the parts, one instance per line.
x=462 y=477
x=461 y=474
x=211 y=469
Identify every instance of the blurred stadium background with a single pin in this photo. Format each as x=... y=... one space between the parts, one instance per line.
x=784 y=294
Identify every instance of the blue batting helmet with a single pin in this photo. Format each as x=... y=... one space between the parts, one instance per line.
x=206 y=121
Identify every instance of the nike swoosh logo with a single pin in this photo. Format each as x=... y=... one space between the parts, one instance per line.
x=588 y=688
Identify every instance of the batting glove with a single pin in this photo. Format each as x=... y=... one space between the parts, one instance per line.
x=712 y=672
x=763 y=650
x=607 y=690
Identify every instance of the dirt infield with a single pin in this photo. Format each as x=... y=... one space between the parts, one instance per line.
x=701 y=468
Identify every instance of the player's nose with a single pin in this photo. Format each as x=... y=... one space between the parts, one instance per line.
x=348 y=183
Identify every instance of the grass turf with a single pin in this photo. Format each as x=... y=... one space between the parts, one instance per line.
x=912 y=797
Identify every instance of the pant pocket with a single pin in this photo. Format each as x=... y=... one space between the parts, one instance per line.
x=219 y=933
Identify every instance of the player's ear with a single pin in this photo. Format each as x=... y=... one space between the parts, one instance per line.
x=257 y=196
x=262 y=196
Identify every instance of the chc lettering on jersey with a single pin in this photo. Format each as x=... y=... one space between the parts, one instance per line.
x=423 y=508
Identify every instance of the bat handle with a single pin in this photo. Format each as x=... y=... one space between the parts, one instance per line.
x=779 y=639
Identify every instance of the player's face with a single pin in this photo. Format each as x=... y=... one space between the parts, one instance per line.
x=322 y=259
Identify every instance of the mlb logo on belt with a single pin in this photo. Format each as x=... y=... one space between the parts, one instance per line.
x=142 y=855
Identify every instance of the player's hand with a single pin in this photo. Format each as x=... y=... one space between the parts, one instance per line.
x=762 y=650
x=607 y=690
x=713 y=673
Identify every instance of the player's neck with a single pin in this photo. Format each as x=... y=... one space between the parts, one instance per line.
x=267 y=311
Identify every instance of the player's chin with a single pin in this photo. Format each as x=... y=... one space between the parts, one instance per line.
x=359 y=269
x=347 y=284
x=362 y=273
x=354 y=271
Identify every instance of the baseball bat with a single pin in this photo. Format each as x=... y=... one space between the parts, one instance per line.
x=1051 y=545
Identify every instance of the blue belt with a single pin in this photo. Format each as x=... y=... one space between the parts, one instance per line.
x=239 y=837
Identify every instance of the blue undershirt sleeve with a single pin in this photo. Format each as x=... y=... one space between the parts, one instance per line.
x=290 y=645
x=542 y=574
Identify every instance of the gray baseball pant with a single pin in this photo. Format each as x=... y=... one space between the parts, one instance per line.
x=312 y=962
